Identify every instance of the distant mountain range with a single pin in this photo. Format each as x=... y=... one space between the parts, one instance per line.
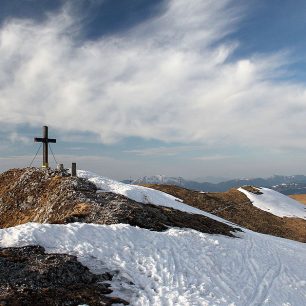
x=295 y=184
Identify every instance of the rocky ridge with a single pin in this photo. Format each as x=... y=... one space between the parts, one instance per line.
x=28 y=276
x=48 y=196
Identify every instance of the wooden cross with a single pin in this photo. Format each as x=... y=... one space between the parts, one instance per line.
x=45 y=140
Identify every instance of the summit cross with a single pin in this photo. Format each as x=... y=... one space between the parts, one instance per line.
x=45 y=140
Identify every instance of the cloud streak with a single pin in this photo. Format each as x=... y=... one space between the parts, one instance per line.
x=159 y=151
x=169 y=79
x=15 y=138
x=213 y=157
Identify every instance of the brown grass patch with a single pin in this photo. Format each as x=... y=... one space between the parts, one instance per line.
x=299 y=197
x=234 y=206
x=82 y=208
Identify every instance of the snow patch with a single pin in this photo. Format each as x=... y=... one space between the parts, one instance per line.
x=179 y=267
x=276 y=203
x=144 y=195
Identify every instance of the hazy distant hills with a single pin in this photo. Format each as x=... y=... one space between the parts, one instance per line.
x=295 y=184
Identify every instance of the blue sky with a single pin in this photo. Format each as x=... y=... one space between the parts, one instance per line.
x=133 y=87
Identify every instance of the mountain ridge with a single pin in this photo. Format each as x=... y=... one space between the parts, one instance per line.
x=141 y=243
x=293 y=184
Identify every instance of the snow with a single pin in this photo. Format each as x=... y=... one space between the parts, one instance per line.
x=143 y=194
x=276 y=203
x=179 y=267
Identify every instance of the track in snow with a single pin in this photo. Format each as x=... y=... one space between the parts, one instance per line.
x=180 y=267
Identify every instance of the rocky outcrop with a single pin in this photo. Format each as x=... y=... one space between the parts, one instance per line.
x=48 y=196
x=29 y=276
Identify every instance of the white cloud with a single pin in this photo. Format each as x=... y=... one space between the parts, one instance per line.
x=167 y=79
x=15 y=137
x=213 y=157
x=160 y=151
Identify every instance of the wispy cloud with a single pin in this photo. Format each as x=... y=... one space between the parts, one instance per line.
x=159 y=151
x=213 y=157
x=15 y=137
x=169 y=79
x=77 y=148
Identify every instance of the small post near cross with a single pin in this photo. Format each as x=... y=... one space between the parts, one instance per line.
x=45 y=140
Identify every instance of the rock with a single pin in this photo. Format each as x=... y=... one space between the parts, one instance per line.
x=29 y=276
x=57 y=198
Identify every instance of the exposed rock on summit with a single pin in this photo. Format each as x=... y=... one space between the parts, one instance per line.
x=48 y=196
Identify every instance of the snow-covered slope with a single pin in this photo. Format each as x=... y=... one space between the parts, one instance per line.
x=276 y=203
x=136 y=193
x=143 y=194
x=179 y=267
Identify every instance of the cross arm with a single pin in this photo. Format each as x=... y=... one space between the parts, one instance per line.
x=39 y=139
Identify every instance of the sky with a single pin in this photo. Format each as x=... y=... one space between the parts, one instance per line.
x=131 y=88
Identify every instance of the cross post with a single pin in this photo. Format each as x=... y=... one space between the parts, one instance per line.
x=45 y=140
